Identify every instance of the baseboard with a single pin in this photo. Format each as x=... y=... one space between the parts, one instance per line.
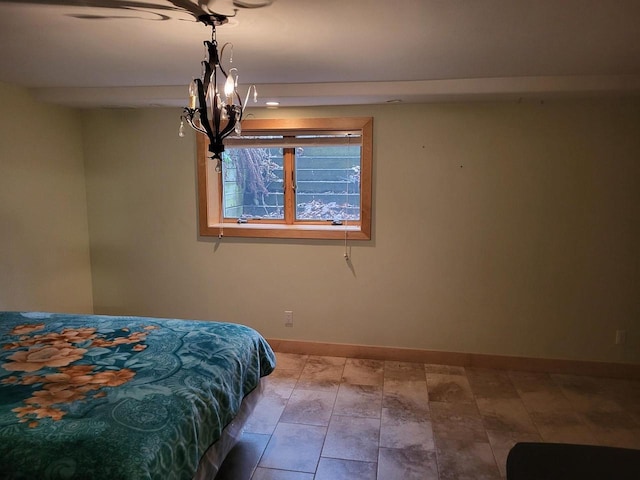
x=499 y=362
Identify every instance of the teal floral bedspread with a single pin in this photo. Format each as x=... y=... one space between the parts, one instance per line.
x=103 y=397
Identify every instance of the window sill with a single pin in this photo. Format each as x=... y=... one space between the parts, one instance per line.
x=262 y=230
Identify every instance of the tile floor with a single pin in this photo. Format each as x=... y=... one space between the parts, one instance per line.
x=329 y=418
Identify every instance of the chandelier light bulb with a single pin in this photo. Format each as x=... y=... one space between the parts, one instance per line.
x=193 y=95
x=230 y=85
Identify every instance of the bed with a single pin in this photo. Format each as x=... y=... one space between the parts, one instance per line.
x=107 y=397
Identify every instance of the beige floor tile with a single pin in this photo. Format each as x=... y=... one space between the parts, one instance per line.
x=395 y=464
x=613 y=428
x=321 y=367
x=532 y=381
x=322 y=373
x=577 y=383
x=329 y=386
x=444 y=369
x=290 y=361
x=466 y=460
x=373 y=420
x=336 y=469
x=624 y=392
x=562 y=427
x=449 y=388
x=317 y=365
x=324 y=360
x=352 y=438
x=399 y=431
x=507 y=414
x=411 y=396
x=310 y=407
x=266 y=415
x=613 y=420
x=274 y=474
x=358 y=401
x=492 y=384
x=539 y=392
x=243 y=458
x=621 y=438
x=546 y=401
x=404 y=371
x=281 y=382
x=457 y=421
x=586 y=393
x=294 y=447
x=363 y=372
x=591 y=403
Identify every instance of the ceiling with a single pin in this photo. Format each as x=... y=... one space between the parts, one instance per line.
x=323 y=52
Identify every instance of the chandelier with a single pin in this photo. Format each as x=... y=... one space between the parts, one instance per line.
x=215 y=107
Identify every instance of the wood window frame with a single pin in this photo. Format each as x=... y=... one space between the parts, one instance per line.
x=210 y=219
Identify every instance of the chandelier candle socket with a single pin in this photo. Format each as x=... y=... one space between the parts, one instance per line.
x=215 y=108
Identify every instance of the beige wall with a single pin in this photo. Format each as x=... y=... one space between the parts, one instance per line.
x=499 y=228
x=44 y=237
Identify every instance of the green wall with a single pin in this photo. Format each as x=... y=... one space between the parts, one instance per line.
x=499 y=228
x=44 y=236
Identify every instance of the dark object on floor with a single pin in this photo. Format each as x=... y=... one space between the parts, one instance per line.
x=562 y=461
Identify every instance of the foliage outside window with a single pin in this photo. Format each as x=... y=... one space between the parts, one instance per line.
x=293 y=178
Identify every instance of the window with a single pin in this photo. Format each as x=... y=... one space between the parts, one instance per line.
x=290 y=178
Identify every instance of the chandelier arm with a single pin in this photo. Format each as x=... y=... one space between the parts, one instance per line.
x=231 y=124
x=224 y=72
x=212 y=51
x=207 y=68
x=240 y=103
x=246 y=99
x=197 y=129
x=222 y=54
x=216 y=110
x=191 y=123
x=204 y=120
x=210 y=70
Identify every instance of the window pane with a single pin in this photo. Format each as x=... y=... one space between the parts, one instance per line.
x=328 y=182
x=252 y=183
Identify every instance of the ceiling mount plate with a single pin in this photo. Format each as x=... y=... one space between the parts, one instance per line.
x=215 y=19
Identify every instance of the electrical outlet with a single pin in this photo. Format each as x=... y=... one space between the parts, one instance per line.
x=621 y=337
x=288 y=318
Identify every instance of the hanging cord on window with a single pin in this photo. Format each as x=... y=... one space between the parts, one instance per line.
x=346 y=207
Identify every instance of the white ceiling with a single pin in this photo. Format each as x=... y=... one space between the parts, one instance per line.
x=320 y=52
